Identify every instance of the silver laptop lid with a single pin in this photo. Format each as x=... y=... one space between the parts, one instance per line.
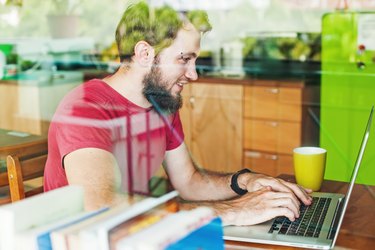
x=354 y=173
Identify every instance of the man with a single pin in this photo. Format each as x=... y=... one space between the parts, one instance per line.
x=110 y=135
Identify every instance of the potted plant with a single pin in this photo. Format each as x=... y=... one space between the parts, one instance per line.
x=63 y=19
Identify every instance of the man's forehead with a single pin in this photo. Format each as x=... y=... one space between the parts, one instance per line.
x=187 y=41
x=189 y=29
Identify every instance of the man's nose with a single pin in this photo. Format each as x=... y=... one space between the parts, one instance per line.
x=191 y=72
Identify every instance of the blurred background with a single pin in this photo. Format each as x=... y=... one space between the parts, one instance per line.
x=322 y=50
x=265 y=29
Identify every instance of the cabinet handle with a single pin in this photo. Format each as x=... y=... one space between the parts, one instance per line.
x=273 y=90
x=252 y=154
x=272 y=124
x=271 y=157
x=192 y=101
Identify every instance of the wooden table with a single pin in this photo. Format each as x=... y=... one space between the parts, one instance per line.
x=358 y=228
x=13 y=142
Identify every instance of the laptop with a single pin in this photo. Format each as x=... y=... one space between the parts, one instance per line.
x=318 y=225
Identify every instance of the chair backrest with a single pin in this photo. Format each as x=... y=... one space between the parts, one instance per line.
x=24 y=168
x=20 y=149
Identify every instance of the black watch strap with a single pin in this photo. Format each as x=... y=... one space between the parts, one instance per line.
x=234 y=182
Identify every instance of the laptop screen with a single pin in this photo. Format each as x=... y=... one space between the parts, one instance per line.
x=354 y=173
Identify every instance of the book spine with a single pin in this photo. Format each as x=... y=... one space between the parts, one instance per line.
x=138 y=208
x=44 y=241
x=6 y=229
x=88 y=240
x=167 y=231
x=15 y=218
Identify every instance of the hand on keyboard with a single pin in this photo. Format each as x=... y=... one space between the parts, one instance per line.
x=254 y=182
x=259 y=206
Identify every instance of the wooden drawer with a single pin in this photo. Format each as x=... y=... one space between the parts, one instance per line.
x=273 y=102
x=270 y=164
x=271 y=136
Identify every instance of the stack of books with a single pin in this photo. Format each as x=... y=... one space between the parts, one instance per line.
x=57 y=220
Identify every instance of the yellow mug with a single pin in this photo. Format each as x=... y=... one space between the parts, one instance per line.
x=309 y=166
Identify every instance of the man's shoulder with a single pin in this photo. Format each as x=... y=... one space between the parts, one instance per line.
x=92 y=91
x=95 y=84
x=88 y=95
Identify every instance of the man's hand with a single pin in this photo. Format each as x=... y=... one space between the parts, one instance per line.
x=253 y=182
x=258 y=206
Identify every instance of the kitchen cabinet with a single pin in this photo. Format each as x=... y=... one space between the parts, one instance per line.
x=272 y=125
x=255 y=123
x=213 y=126
x=29 y=108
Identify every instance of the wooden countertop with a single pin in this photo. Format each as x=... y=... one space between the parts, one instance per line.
x=245 y=80
x=219 y=78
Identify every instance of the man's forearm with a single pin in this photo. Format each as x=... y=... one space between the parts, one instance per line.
x=208 y=185
x=220 y=208
x=193 y=182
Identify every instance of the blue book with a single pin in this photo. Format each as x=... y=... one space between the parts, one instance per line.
x=207 y=237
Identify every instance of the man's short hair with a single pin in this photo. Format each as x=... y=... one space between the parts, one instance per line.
x=157 y=26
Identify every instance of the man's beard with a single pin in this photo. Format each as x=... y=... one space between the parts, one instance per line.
x=156 y=92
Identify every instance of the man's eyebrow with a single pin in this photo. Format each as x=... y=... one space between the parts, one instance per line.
x=192 y=54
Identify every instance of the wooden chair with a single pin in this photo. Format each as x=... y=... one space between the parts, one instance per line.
x=22 y=150
x=24 y=168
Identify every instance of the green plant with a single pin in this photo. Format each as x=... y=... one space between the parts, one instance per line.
x=18 y=3
x=65 y=7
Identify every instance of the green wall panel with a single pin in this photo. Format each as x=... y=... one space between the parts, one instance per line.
x=347 y=94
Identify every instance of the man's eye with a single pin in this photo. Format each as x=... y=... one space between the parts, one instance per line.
x=185 y=59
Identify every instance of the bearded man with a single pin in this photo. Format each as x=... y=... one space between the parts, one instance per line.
x=110 y=135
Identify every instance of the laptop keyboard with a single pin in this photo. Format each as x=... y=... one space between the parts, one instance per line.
x=309 y=222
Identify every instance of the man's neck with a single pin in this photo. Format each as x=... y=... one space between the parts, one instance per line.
x=128 y=83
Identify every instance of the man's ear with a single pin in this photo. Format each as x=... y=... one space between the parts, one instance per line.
x=144 y=53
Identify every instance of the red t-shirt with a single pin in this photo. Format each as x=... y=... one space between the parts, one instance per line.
x=95 y=115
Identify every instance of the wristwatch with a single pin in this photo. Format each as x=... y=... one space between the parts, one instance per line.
x=234 y=182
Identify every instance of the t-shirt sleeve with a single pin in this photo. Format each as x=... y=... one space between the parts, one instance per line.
x=84 y=127
x=175 y=135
